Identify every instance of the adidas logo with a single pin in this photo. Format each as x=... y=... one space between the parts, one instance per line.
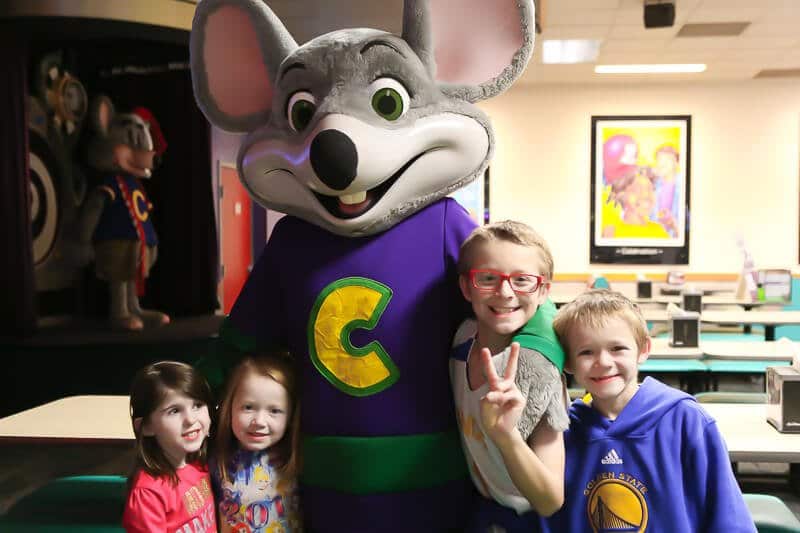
x=612 y=458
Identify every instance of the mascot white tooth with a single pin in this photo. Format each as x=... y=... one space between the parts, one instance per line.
x=359 y=135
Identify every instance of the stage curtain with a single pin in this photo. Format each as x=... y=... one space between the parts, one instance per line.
x=17 y=292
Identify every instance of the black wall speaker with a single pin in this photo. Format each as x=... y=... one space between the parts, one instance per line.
x=659 y=15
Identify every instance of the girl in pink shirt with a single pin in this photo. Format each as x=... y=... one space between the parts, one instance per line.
x=170 y=489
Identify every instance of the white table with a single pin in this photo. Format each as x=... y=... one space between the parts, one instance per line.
x=561 y=297
x=660 y=349
x=746 y=303
x=750 y=437
x=769 y=319
x=81 y=419
x=780 y=350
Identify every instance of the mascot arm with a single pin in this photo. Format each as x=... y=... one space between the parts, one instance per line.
x=541 y=383
x=541 y=360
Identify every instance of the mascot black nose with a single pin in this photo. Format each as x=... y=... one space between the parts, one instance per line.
x=334 y=159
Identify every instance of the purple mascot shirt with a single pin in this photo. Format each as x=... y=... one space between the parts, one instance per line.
x=369 y=321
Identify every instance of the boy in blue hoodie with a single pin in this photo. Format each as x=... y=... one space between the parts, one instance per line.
x=639 y=457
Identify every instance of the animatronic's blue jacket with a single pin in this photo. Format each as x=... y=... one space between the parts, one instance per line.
x=116 y=222
x=660 y=466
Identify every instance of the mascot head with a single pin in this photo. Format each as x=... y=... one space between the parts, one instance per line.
x=124 y=142
x=358 y=129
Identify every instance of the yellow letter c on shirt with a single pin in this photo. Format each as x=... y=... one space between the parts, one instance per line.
x=345 y=305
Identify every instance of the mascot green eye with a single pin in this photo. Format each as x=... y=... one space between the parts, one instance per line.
x=300 y=110
x=390 y=99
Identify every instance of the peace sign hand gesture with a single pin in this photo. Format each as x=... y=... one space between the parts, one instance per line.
x=501 y=407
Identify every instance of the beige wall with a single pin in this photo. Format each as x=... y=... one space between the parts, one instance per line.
x=744 y=168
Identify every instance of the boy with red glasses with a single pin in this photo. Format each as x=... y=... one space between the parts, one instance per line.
x=511 y=406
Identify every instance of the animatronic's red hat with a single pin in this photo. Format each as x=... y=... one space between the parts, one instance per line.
x=159 y=142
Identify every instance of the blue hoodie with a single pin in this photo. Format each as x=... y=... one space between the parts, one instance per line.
x=660 y=466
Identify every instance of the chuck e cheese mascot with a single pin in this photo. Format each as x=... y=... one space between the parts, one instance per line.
x=358 y=136
x=116 y=217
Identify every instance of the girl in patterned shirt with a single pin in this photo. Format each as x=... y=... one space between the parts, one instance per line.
x=254 y=464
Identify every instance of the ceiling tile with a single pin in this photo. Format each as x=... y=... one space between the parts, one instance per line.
x=574 y=32
x=726 y=14
x=743 y=43
x=640 y=32
x=701 y=43
x=739 y=4
x=633 y=45
x=575 y=5
x=783 y=14
x=579 y=17
x=772 y=40
x=769 y=29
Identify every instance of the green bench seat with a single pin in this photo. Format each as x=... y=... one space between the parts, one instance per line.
x=87 y=504
x=771 y=514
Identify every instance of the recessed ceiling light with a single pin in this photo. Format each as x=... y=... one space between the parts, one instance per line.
x=569 y=51
x=650 y=69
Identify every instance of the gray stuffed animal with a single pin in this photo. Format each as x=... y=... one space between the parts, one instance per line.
x=116 y=216
x=358 y=136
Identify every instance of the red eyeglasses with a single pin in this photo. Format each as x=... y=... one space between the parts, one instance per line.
x=491 y=280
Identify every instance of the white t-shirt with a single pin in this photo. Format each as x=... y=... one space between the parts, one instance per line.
x=486 y=466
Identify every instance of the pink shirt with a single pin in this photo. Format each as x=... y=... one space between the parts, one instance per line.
x=156 y=505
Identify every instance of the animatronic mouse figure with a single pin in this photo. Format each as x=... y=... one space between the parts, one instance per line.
x=358 y=136
x=117 y=213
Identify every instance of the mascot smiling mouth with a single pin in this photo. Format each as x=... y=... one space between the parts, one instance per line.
x=339 y=209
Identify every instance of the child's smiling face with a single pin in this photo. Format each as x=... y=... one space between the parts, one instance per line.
x=179 y=424
x=502 y=310
x=260 y=412
x=605 y=361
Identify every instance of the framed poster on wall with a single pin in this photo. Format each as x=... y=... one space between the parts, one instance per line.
x=640 y=189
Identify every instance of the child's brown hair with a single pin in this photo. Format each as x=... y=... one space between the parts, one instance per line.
x=149 y=387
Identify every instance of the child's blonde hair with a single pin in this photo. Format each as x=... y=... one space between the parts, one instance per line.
x=278 y=367
x=594 y=308
x=149 y=387
x=508 y=231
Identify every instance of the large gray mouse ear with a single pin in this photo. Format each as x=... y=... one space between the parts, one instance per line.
x=475 y=48
x=101 y=112
x=236 y=47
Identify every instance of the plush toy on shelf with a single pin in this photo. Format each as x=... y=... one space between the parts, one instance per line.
x=116 y=216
